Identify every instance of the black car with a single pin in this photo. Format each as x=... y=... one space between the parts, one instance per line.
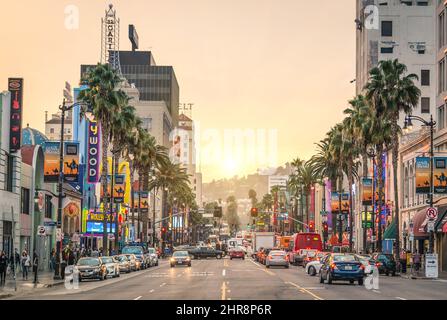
x=206 y=252
x=91 y=268
x=385 y=263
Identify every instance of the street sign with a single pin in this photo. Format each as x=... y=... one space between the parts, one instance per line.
x=207 y=215
x=432 y=213
x=49 y=223
x=431 y=226
x=431 y=265
x=41 y=231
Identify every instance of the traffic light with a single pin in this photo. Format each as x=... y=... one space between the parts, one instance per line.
x=254 y=212
x=163 y=229
x=325 y=227
x=311 y=226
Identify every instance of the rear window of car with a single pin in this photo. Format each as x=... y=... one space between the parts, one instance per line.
x=344 y=258
x=277 y=253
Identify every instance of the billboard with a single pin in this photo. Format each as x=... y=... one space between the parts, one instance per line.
x=15 y=87
x=440 y=175
x=93 y=152
x=335 y=202
x=98 y=227
x=51 y=163
x=109 y=186
x=119 y=188
x=144 y=201
x=367 y=191
x=345 y=203
x=71 y=161
x=422 y=175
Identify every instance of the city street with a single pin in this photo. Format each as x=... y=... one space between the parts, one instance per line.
x=227 y=279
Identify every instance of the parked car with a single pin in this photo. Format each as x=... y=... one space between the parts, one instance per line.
x=277 y=258
x=135 y=265
x=153 y=257
x=91 y=268
x=385 y=263
x=113 y=269
x=123 y=263
x=263 y=255
x=180 y=258
x=206 y=252
x=313 y=267
x=339 y=266
x=140 y=252
x=236 y=253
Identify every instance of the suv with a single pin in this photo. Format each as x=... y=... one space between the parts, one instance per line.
x=385 y=263
x=141 y=254
x=205 y=252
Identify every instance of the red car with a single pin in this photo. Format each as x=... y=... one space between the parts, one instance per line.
x=237 y=253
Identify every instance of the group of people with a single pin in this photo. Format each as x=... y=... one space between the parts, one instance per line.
x=16 y=261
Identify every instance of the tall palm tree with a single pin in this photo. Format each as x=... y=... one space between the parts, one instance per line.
x=106 y=99
x=391 y=91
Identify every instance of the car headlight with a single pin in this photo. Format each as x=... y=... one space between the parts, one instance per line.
x=172 y=260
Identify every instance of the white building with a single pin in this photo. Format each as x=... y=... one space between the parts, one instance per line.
x=53 y=126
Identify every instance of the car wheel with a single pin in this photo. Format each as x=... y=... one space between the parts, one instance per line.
x=219 y=256
x=243 y=258
x=287 y=266
x=329 y=278
x=351 y=281
x=394 y=273
x=312 y=271
x=360 y=282
x=172 y=266
x=231 y=258
x=267 y=266
x=189 y=265
x=321 y=278
x=387 y=273
x=156 y=263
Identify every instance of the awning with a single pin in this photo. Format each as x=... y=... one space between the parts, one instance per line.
x=390 y=231
x=419 y=225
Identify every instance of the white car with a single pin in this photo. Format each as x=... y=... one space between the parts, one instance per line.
x=113 y=268
x=313 y=267
x=154 y=257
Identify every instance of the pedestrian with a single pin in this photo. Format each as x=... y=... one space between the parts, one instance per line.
x=53 y=260
x=26 y=263
x=416 y=261
x=35 y=266
x=3 y=267
x=403 y=260
x=71 y=258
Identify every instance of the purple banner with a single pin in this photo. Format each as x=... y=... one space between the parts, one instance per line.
x=93 y=151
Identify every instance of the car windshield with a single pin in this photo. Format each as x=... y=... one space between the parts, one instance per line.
x=180 y=254
x=344 y=258
x=107 y=260
x=133 y=250
x=88 y=262
x=129 y=256
x=122 y=258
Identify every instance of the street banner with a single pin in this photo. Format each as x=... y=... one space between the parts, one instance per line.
x=367 y=191
x=335 y=202
x=136 y=200
x=144 y=201
x=15 y=87
x=93 y=152
x=345 y=203
x=422 y=175
x=119 y=188
x=51 y=162
x=71 y=161
x=109 y=186
x=440 y=175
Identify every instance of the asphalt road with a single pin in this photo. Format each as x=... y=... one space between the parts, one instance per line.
x=227 y=279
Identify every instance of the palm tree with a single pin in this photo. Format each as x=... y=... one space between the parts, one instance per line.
x=391 y=91
x=106 y=100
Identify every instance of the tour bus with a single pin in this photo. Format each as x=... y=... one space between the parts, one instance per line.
x=301 y=242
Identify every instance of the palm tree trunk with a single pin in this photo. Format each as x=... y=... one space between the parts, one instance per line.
x=365 y=175
x=379 y=202
x=351 y=209
x=339 y=215
x=145 y=215
x=104 y=173
x=132 y=196
x=396 y=194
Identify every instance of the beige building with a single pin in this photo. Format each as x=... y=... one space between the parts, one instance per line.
x=53 y=126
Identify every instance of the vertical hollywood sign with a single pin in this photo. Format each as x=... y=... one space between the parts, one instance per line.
x=93 y=152
x=111 y=33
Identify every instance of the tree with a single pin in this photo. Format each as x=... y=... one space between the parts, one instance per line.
x=231 y=214
x=106 y=100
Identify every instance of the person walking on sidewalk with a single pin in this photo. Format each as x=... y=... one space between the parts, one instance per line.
x=35 y=266
x=26 y=263
x=3 y=267
x=53 y=260
x=416 y=261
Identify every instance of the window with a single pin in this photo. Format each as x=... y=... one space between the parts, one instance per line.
x=441 y=118
x=441 y=83
x=25 y=201
x=147 y=124
x=9 y=172
x=425 y=77
x=425 y=105
x=386 y=50
x=48 y=207
x=441 y=30
x=387 y=28
x=51 y=130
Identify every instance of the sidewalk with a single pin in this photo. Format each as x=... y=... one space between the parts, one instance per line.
x=421 y=275
x=44 y=280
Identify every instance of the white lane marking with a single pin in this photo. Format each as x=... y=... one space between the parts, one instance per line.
x=138 y=298
x=400 y=298
x=152 y=291
x=306 y=291
x=223 y=272
x=163 y=284
x=376 y=291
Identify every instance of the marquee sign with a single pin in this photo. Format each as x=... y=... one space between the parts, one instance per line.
x=93 y=152
x=15 y=87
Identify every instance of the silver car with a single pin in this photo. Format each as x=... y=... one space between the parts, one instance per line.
x=277 y=258
x=153 y=257
x=113 y=269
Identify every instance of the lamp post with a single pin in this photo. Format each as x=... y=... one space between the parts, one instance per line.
x=64 y=108
x=408 y=125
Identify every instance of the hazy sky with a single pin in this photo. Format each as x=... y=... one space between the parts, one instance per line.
x=283 y=65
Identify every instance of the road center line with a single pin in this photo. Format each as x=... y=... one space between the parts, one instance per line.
x=223 y=272
x=152 y=291
x=400 y=298
x=163 y=284
x=138 y=298
x=224 y=291
x=307 y=291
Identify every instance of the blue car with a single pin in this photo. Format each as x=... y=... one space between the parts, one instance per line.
x=339 y=266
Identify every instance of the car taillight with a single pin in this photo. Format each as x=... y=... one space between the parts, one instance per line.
x=378 y=264
x=362 y=267
x=333 y=266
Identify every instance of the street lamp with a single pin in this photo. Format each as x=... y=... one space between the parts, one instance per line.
x=88 y=114
x=408 y=125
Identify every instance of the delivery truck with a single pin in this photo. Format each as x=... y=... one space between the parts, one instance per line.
x=264 y=240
